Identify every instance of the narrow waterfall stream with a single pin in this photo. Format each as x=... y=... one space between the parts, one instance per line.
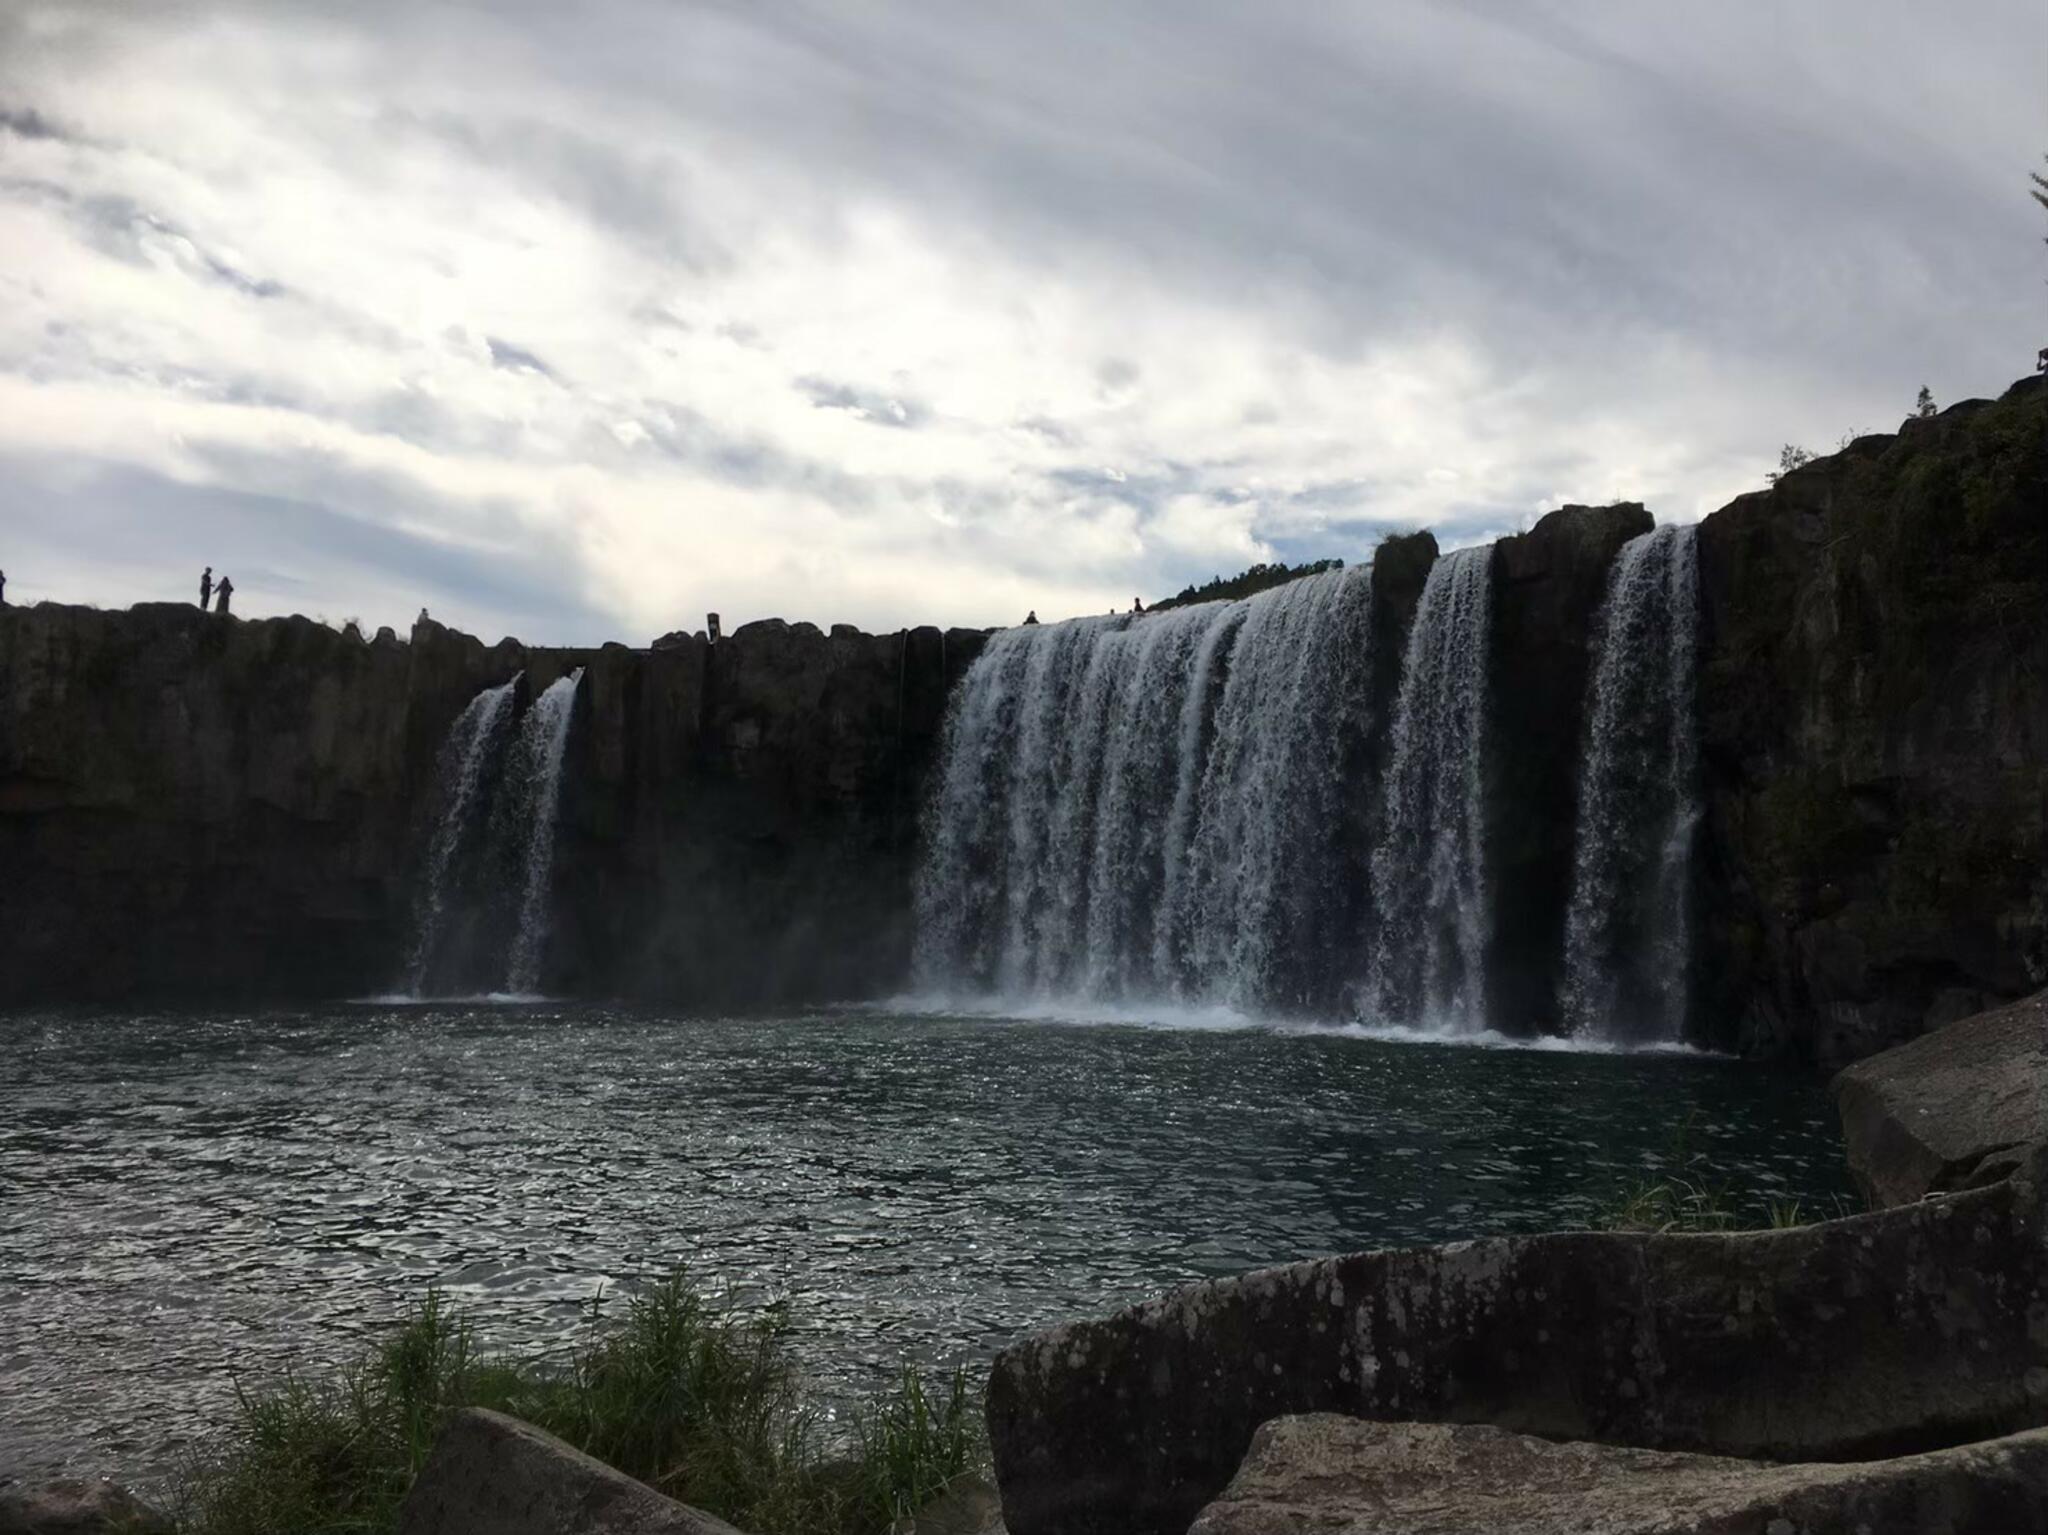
x=482 y=914
x=1428 y=962
x=1628 y=929
x=543 y=739
x=475 y=737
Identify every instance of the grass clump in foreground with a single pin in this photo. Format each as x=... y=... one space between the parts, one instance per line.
x=1686 y=1197
x=685 y=1394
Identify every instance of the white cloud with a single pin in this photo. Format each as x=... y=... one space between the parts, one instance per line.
x=932 y=317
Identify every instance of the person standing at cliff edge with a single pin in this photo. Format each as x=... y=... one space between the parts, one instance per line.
x=225 y=591
x=205 y=588
x=3 y=588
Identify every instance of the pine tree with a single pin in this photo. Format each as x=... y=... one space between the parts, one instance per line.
x=1924 y=406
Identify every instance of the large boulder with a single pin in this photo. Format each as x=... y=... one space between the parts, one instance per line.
x=75 y=1506
x=1891 y=1333
x=1950 y=1109
x=1333 y=1475
x=493 y=1475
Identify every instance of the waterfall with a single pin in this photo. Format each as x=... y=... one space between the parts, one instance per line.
x=483 y=907
x=1627 y=930
x=470 y=743
x=1152 y=806
x=543 y=738
x=1429 y=871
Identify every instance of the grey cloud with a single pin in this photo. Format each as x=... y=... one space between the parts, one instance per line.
x=118 y=226
x=515 y=358
x=28 y=123
x=687 y=437
x=1116 y=373
x=637 y=191
x=1056 y=432
x=876 y=405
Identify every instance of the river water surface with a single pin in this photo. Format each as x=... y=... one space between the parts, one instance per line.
x=184 y=1196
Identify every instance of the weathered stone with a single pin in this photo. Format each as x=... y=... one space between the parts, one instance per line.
x=1900 y=1331
x=971 y=1506
x=1951 y=1109
x=1343 y=1477
x=75 y=1506
x=493 y=1475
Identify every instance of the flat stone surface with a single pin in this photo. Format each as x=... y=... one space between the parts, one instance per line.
x=1901 y=1331
x=493 y=1475
x=971 y=1506
x=1949 y=1109
x=77 y=1506
x=1340 y=1476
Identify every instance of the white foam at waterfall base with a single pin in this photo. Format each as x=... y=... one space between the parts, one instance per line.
x=1077 y=1012
x=457 y=999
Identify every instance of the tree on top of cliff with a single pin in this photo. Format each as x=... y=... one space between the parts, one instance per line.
x=1790 y=457
x=1256 y=579
x=2039 y=191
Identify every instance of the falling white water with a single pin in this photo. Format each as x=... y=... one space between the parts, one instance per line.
x=1428 y=955
x=460 y=772
x=543 y=739
x=1628 y=929
x=1149 y=806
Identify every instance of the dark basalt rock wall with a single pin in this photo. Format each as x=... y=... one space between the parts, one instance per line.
x=1874 y=722
x=198 y=806
x=741 y=820
x=195 y=806
x=1547 y=588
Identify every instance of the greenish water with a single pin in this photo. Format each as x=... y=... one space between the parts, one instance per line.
x=189 y=1195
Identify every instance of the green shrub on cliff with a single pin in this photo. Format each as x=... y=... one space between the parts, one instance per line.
x=686 y=1394
x=1257 y=579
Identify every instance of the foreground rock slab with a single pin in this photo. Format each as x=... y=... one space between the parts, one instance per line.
x=1951 y=1109
x=493 y=1475
x=74 y=1506
x=1902 y=1331
x=1339 y=1475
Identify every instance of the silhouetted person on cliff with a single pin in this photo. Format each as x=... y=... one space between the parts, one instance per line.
x=225 y=591
x=1137 y=605
x=1031 y=617
x=205 y=588
x=3 y=588
x=2041 y=362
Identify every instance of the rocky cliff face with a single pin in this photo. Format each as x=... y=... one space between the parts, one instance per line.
x=198 y=806
x=1874 y=718
x=1547 y=587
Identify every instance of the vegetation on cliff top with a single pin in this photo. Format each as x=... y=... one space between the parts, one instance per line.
x=1256 y=579
x=684 y=1393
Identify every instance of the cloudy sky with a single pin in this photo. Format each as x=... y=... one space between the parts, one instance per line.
x=575 y=321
